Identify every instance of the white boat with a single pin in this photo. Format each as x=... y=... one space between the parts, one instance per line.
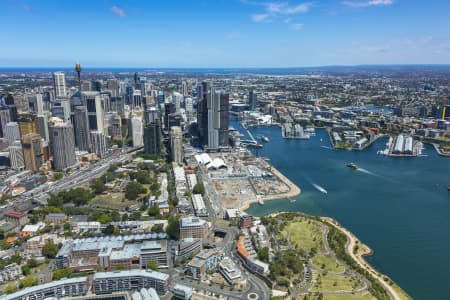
x=260 y=201
x=265 y=139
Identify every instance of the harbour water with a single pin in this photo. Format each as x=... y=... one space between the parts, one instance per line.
x=400 y=207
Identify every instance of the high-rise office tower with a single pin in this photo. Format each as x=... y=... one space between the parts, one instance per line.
x=129 y=94
x=95 y=112
x=117 y=105
x=98 y=142
x=137 y=100
x=184 y=88
x=27 y=123
x=177 y=98
x=169 y=108
x=252 y=100
x=5 y=118
x=113 y=86
x=176 y=143
x=86 y=86
x=114 y=126
x=82 y=139
x=47 y=99
x=59 y=84
x=16 y=155
x=61 y=109
x=96 y=86
x=32 y=151
x=62 y=144
x=218 y=120
x=189 y=107
x=136 y=131
x=151 y=114
x=106 y=101
x=152 y=138
x=39 y=104
x=12 y=132
x=160 y=98
x=202 y=111
x=42 y=122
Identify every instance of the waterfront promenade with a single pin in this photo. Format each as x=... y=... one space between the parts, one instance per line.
x=358 y=257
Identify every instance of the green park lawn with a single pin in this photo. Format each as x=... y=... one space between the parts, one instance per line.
x=305 y=235
x=328 y=262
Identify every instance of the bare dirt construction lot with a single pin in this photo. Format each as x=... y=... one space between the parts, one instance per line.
x=233 y=192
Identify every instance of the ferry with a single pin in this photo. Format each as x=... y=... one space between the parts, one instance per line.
x=265 y=139
x=352 y=166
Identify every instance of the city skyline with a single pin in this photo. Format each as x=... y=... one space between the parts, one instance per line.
x=228 y=34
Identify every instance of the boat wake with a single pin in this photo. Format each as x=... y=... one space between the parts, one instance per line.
x=319 y=188
x=326 y=147
x=367 y=172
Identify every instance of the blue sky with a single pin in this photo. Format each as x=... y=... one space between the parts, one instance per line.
x=223 y=33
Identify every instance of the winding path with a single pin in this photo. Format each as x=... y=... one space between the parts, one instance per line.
x=351 y=243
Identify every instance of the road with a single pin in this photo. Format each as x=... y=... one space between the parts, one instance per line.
x=38 y=195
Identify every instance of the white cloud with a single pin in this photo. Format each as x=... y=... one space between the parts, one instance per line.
x=118 y=11
x=259 y=17
x=283 y=8
x=276 y=9
x=296 y=26
x=368 y=3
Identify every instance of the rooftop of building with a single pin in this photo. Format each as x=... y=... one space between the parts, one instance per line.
x=131 y=273
x=160 y=245
x=37 y=288
x=128 y=251
x=191 y=221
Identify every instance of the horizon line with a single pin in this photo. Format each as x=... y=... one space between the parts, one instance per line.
x=225 y=68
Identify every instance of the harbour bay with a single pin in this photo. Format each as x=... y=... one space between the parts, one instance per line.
x=400 y=207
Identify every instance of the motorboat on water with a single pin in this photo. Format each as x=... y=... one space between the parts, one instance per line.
x=352 y=166
x=265 y=139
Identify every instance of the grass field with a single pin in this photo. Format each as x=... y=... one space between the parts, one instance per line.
x=334 y=282
x=305 y=234
x=358 y=296
x=329 y=262
x=112 y=201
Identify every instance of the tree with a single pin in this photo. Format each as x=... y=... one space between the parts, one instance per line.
x=54 y=200
x=157 y=228
x=199 y=188
x=10 y=288
x=98 y=186
x=104 y=218
x=115 y=216
x=153 y=211
x=133 y=190
x=61 y=273
x=173 y=227
x=50 y=249
x=109 y=229
x=140 y=176
x=28 y=281
x=57 y=176
x=263 y=254
x=152 y=265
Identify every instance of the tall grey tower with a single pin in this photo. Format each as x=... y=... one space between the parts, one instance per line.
x=62 y=144
x=59 y=84
x=218 y=120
